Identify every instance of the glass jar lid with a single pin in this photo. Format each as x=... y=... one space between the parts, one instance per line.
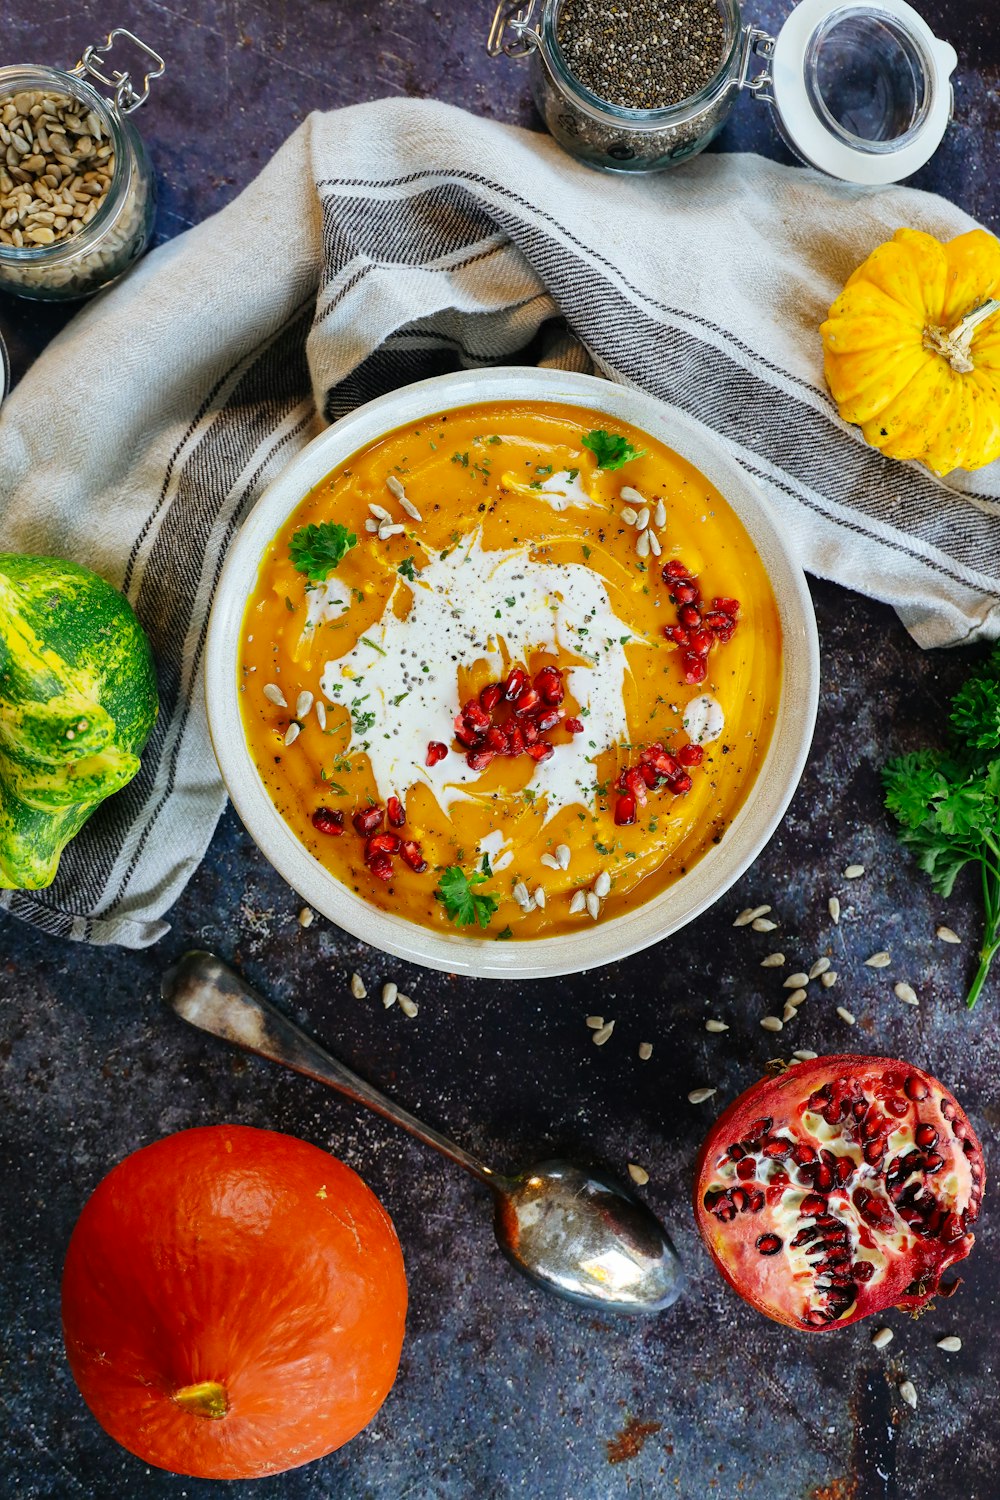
x=862 y=91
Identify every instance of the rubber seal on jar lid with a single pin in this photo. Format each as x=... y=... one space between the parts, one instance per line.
x=4 y=370
x=862 y=91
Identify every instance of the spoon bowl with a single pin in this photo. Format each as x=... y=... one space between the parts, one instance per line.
x=572 y=1229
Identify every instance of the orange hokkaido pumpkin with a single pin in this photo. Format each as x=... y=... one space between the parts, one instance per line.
x=233 y=1303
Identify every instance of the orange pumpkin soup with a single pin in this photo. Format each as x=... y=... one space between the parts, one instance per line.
x=505 y=673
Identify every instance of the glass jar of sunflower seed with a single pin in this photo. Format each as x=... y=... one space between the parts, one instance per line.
x=77 y=194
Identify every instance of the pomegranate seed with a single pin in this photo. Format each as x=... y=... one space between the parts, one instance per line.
x=926 y=1136
x=674 y=569
x=410 y=852
x=625 y=809
x=680 y=784
x=435 y=752
x=811 y=1205
x=490 y=696
x=526 y=702
x=727 y=606
x=326 y=820
x=496 y=739
x=746 y=1170
x=649 y=776
x=689 y=615
x=768 y=1244
x=951 y=1229
x=395 y=812
x=515 y=741
x=663 y=764
x=755 y=1201
x=530 y=732
x=803 y=1154
x=548 y=721
x=701 y=642
x=367 y=819
x=474 y=716
x=724 y=626
x=694 y=667
x=632 y=782
x=516 y=680
x=690 y=755
x=549 y=683
x=468 y=738
x=677 y=635
x=575 y=726
x=686 y=593
x=382 y=843
x=381 y=866
x=822 y=1178
x=863 y=1270
x=541 y=751
x=478 y=760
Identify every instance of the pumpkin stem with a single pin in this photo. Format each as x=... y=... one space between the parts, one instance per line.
x=955 y=344
x=207 y=1399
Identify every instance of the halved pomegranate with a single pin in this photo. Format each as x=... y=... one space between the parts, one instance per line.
x=842 y=1187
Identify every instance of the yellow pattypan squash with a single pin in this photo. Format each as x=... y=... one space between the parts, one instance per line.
x=912 y=349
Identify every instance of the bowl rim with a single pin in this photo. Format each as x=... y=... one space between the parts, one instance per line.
x=619 y=936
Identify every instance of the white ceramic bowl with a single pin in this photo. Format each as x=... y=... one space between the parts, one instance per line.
x=596 y=943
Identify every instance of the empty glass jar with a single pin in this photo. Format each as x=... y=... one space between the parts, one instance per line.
x=859 y=91
x=76 y=189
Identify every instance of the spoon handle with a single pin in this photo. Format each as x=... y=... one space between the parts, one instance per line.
x=208 y=994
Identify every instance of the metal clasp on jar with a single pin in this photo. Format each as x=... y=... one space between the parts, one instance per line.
x=756 y=44
x=127 y=96
x=513 y=17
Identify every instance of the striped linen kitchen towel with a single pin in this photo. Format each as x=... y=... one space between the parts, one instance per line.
x=401 y=239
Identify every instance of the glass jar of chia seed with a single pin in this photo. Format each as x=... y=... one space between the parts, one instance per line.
x=860 y=91
x=77 y=195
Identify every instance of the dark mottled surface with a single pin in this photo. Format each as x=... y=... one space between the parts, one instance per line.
x=503 y=1391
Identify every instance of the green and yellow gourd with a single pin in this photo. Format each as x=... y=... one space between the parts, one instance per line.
x=77 y=704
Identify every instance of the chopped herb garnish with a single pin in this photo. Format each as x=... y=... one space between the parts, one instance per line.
x=366 y=641
x=611 y=449
x=406 y=568
x=507 y=932
x=317 y=550
x=460 y=458
x=586 y=551
x=399 y=698
x=464 y=907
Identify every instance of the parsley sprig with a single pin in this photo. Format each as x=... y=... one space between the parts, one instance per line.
x=317 y=550
x=455 y=892
x=948 y=803
x=611 y=449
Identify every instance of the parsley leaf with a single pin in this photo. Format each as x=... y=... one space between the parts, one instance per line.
x=317 y=550
x=406 y=568
x=463 y=906
x=611 y=449
x=947 y=802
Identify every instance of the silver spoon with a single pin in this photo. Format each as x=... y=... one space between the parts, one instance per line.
x=575 y=1230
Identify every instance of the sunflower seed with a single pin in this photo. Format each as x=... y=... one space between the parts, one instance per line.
x=394 y=486
x=407 y=1006
x=908 y=1393
x=804 y=1055
x=654 y=543
x=385 y=532
x=602 y=885
x=951 y=1344
x=882 y=1337
x=303 y=704
x=829 y=979
x=749 y=914
x=321 y=715
x=522 y=896
x=306 y=916
x=699 y=1096
x=292 y=733
x=854 y=872
x=540 y=897
x=577 y=902
x=906 y=993
x=947 y=935
x=380 y=513
x=845 y=1015
x=595 y=1022
x=789 y=1013
x=833 y=907
x=639 y=1175
x=630 y=493
x=660 y=514
x=629 y=515
x=593 y=905
x=645 y=1051
x=715 y=1027
x=772 y=961
x=763 y=924
x=796 y=981
x=358 y=987
x=563 y=856
x=641 y=541
x=796 y=998
x=880 y=960
x=371 y=525
x=819 y=967
x=273 y=694
x=772 y=1023
x=389 y=993
x=600 y=1037
x=410 y=508
x=549 y=861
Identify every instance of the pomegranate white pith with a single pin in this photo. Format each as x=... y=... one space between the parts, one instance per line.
x=842 y=1187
